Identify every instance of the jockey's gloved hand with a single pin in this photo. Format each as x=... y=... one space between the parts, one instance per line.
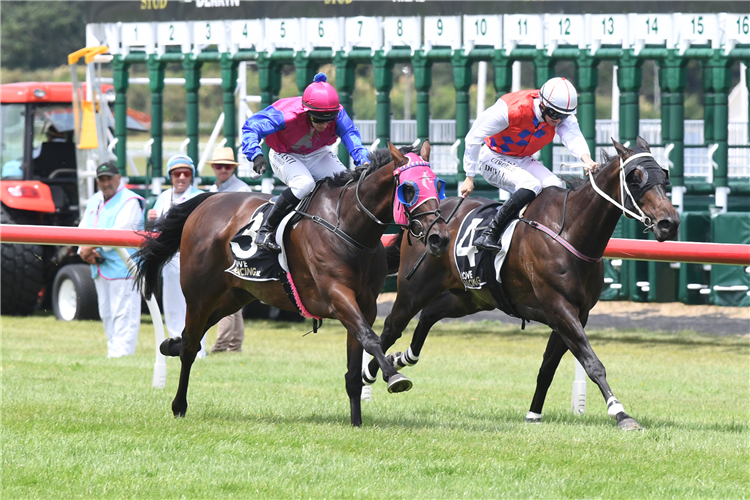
x=260 y=164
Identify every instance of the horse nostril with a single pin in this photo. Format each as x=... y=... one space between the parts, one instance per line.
x=434 y=240
x=666 y=226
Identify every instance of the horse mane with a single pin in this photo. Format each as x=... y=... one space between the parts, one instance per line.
x=576 y=183
x=378 y=158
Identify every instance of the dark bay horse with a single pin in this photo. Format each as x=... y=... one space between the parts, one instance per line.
x=544 y=281
x=337 y=275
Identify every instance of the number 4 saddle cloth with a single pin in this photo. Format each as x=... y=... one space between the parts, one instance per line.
x=480 y=268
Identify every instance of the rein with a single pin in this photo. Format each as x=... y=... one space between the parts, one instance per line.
x=424 y=254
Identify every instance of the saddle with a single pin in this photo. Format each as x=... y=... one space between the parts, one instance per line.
x=253 y=263
x=479 y=268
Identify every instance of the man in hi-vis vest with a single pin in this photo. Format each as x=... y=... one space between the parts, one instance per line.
x=114 y=207
x=505 y=136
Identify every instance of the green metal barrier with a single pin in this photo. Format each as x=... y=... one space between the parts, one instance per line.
x=694 y=279
x=730 y=285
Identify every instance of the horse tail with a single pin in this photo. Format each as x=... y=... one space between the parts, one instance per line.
x=158 y=250
x=392 y=244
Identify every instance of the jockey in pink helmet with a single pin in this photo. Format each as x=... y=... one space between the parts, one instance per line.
x=299 y=130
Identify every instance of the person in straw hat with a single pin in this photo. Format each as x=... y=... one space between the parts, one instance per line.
x=299 y=130
x=231 y=328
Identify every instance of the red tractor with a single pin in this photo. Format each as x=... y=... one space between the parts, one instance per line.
x=39 y=184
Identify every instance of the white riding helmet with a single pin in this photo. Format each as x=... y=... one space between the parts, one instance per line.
x=560 y=95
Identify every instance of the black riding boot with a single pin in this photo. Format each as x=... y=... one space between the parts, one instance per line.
x=490 y=238
x=285 y=203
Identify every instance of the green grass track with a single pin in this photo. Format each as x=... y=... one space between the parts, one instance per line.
x=273 y=421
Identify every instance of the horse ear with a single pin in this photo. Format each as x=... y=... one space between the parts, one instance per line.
x=622 y=151
x=641 y=143
x=425 y=152
x=397 y=156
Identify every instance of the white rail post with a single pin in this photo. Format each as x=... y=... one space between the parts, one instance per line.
x=160 y=364
x=578 y=400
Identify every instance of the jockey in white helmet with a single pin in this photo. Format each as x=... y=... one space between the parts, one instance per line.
x=503 y=139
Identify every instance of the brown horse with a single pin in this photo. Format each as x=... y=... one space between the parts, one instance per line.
x=334 y=254
x=544 y=281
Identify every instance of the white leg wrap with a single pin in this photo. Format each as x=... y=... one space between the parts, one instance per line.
x=533 y=417
x=408 y=358
x=614 y=407
x=367 y=378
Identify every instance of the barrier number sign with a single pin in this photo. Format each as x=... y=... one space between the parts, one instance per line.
x=519 y=29
x=443 y=30
x=137 y=34
x=653 y=28
x=699 y=28
x=172 y=33
x=402 y=31
x=283 y=33
x=737 y=27
x=247 y=34
x=362 y=32
x=208 y=32
x=483 y=30
x=563 y=29
x=609 y=28
x=322 y=33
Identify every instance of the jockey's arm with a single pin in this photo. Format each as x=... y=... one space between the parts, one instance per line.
x=349 y=133
x=261 y=124
x=572 y=138
x=492 y=120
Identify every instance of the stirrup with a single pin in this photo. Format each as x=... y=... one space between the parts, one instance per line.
x=267 y=241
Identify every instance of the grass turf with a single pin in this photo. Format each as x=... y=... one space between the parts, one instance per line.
x=273 y=421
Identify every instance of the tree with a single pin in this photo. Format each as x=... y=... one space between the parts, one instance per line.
x=37 y=35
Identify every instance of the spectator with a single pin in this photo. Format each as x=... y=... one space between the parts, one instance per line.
x=181 y=171
x=114 y=207
x=232 y=328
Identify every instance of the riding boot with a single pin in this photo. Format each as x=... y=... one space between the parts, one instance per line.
x=490 y=238
x=285 y=203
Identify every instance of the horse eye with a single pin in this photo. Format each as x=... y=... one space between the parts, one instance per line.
x=409 y=193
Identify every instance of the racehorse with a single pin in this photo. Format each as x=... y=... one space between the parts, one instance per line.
x=544 y=280
x=334 y=255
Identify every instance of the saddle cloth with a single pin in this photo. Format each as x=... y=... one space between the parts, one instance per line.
x=251 y=262
x=480 y=268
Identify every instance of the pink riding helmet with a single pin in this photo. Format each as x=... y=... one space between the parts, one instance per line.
x=320 y=99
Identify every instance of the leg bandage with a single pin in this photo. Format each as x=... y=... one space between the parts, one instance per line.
x=614 y=407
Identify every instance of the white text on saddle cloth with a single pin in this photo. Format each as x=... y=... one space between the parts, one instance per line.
x=426 y=184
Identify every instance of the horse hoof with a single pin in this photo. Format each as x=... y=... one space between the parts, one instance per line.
x=171 y=347
x=398 y=383
x=179 y=414
x=629 y=424
x=533 y=420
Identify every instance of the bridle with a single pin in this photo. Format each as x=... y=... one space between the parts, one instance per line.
x=414 y=226
x=625 y=189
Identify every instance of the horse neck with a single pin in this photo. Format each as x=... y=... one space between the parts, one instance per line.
x=376 y=194
x=594 y=223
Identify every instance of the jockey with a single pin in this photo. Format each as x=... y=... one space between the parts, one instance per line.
x=503 y=138
x=298 y=131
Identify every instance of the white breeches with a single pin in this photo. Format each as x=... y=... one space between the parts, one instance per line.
x=512 y=173
x=120 y=310
x=300 y=171
x=173 y=301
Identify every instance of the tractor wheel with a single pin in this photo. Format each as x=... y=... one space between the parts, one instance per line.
x=22 y=276
x=74 y=293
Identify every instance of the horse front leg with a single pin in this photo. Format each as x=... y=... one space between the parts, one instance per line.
x=564 y=319
x=352 y=378
x=346 y=309
x=556 y=348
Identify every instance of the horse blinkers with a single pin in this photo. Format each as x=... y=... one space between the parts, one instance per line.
x=642 y=177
